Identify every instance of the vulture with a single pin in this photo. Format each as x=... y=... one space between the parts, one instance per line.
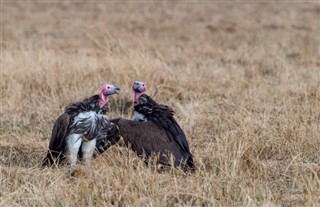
x=79 y=128
x=154 y=130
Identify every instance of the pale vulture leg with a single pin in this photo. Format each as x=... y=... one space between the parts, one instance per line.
x=87 y=150
x=73 y=144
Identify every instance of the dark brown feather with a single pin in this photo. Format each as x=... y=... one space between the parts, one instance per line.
x=89 y=104
x=59 y=131
x=146 y=139
x=58 y=140
x=162 y=116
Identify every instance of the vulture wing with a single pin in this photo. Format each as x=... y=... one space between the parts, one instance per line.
x=162 y=115
x=59 y=132
x=58 y=138
x=147 y=138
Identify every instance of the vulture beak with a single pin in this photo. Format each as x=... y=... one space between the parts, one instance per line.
x=116 y=90
x=109 y=89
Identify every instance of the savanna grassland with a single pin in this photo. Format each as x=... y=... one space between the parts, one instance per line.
x=243 y=78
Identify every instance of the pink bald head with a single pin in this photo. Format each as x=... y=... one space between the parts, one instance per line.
x=138 y=88
x=107 y=90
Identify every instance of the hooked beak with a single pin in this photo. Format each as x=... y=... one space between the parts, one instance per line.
x=116 y=90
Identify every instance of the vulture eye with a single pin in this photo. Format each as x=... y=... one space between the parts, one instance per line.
x=108 y=87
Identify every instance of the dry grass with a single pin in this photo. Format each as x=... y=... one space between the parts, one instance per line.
x=244 y=80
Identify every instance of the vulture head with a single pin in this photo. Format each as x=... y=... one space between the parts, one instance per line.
x=138 y=88
x=107 y=90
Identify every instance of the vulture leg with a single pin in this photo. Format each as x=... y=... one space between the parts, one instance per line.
x=87 y=150
x=73 y=145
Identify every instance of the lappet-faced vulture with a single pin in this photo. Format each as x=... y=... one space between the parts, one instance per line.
x=79 y=128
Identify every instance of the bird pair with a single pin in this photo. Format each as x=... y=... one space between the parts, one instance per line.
x=84 y=127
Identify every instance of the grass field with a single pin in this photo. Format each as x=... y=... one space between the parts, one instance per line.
x=243 y=78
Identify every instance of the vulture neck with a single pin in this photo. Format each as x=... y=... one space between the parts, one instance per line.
x=136 y=96
x=103 y=100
